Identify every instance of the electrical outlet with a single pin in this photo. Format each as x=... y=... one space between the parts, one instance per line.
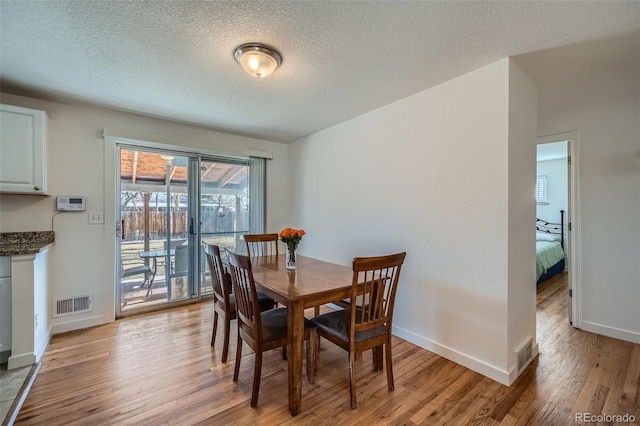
x=96 y=217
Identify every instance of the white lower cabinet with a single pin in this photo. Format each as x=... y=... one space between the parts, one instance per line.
x=5 y=307
x=29 y=313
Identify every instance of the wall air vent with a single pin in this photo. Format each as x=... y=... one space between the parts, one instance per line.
x=72 y=305
x=524 y=354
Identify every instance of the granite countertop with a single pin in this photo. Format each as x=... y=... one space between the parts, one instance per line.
x=16 y=243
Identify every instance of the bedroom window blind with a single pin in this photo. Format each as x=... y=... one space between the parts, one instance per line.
x=541 y=190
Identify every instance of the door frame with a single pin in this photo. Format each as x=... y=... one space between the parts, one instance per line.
x=111 y=191
x=111 y=137
x=572 y=220
x=193 y=235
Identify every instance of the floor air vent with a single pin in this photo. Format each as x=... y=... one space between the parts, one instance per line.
x=72 y=305
x=524 y=354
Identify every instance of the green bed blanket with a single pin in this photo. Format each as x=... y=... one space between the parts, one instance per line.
x=548 y=253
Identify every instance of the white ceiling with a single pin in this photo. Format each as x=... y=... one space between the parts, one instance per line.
x=174 y=59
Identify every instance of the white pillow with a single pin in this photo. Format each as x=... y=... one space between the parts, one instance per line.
x=543 y=236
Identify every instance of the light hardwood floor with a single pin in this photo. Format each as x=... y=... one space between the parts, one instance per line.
x=159 y=369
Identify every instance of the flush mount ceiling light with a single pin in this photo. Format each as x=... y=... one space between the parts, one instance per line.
x=257 y=59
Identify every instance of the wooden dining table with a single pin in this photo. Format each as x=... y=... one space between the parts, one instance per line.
x=313 y=283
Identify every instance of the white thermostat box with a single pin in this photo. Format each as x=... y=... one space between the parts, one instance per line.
x=71 y=203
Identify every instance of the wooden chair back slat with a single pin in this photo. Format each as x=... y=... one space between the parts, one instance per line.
x=244 y=288
x=261 y=244
x=375 y=281
x=216 y=270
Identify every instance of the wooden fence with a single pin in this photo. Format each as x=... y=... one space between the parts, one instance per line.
x=212 y=222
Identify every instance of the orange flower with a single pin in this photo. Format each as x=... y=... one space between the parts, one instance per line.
x=291 y=237
x=290 y=232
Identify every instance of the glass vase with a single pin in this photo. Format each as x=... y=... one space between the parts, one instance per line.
x=291 y=258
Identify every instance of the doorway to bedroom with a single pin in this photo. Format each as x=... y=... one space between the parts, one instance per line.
x=555 y=213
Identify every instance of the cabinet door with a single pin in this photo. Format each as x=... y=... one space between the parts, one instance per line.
x=5 y=314
x=22 y=150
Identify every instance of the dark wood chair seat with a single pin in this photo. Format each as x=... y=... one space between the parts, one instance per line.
x=264 y=301
x=274 y=326
x=338 y=324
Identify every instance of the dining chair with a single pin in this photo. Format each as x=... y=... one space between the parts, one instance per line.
x=262 y=331
x=261 y=244
x=265 y=245
x=224 y=303
x=367 y=323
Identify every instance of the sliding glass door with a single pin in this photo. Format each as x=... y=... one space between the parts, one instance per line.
x=170 y=203
x=224 y=208
x=158 y=213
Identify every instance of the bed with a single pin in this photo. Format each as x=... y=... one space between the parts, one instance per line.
x=550 y=256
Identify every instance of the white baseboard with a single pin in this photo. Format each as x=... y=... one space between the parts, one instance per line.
x=21 y=360
x=39 y=351
x=605 y=330
x=78 y=324
x=501 y=376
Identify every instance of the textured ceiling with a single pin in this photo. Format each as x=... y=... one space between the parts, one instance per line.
x=174 y=59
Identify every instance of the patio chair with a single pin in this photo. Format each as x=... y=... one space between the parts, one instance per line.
x=138 y=270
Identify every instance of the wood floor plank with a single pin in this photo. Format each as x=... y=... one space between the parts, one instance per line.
x=158 y=368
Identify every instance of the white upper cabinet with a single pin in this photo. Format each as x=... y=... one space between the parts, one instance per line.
x=23 y=150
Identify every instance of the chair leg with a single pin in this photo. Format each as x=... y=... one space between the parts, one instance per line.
x=284 y=352
x=317 y=353
x=215 y=327
x=312 y=357
x=352 y=379
x=378 y=361
x=374 y=358
x=389 y=365
x=225 y=344
x=316 y=310
x=236 y=369
x=257 y=373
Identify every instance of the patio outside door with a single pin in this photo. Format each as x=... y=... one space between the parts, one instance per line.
x=224 y=208
x=159 y=232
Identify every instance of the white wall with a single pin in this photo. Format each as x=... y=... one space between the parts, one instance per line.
x=609 y=210
x=413 y=176
x=76 y=166
x=557 y=189
x=522 y=247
